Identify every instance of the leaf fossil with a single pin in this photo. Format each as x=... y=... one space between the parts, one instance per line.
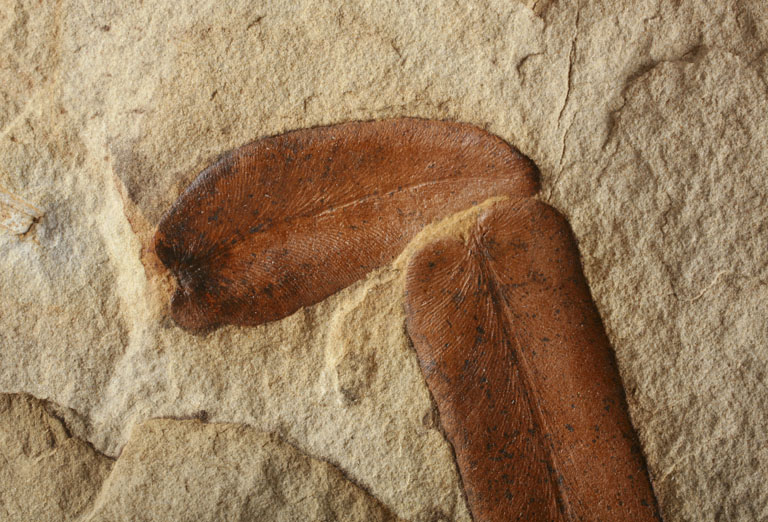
x=504 y=327
x=284 y=222
x=515 y=356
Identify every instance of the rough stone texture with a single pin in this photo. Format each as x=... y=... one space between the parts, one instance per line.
x=45 y=474
x=187 y=470
x=168 y=470
x=646 y=118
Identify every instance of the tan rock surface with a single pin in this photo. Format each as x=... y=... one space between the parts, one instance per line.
x=168 y=470
x=45 y=474
x=646 y=118
x=187 y=470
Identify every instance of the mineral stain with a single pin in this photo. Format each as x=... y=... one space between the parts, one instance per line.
x=516 y=358
x=284 y=222
x=16 y=215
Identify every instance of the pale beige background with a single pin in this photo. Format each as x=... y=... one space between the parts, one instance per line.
x=647 y=119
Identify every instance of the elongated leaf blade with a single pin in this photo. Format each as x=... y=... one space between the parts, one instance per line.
x=516 y=358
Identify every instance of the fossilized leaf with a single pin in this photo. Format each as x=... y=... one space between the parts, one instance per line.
x=515 y=355
x=285 y=222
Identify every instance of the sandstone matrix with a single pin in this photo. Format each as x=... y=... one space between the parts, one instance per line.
x=647 y=120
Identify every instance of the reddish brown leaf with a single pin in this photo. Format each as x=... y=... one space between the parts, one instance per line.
x=515 y=355
x=284 y=222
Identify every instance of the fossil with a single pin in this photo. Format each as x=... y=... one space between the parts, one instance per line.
x=507 y=335
x=284 y=222
x=515 y=355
